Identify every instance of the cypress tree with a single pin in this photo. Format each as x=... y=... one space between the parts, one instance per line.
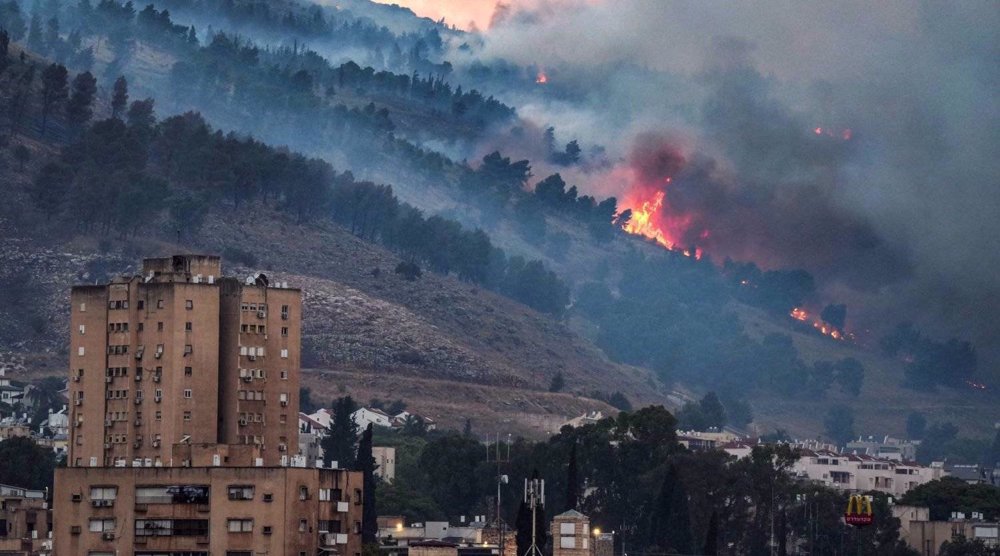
x=712 y=537
x=366 y=464
x=572 y=481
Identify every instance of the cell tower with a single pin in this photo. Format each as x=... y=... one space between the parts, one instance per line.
x=534 y=496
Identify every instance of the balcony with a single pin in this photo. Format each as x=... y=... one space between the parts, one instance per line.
x=333 y=539
x=343 y=507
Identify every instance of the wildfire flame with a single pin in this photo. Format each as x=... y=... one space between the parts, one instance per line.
x=844 y=134
x=647 y=221
x=541 y=78
x=802 y=315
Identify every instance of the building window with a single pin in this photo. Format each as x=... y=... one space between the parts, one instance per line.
x=159 y=415
x=83 y=307
x=303 y=525
x=139 y=327
x=172 y=494
x=159 y=303
x=103 y=493
x=159 y=326
x=284 y=312
x=189 y=304
x=102 y=525
x=188 y=371
x=284 y=354
x=239 y=525
x=187 y=393
x=284 y=331
x=188 y=327
x=187 y=415
x=188 y=349
x=284 y=375
x=142 y=304
x=303 y=493
x=79 y=351
x=241 y=492
x=83 y=329
x=171 y=528
x=239 y=553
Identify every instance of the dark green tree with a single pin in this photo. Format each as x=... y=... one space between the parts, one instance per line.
x=834 y=315
x=712 y=536
x=670 y=526
x=80 y=108
x=558 y=382
x=26 y=464
x=340 y=441
x=839 y=424
x=369 y=512
x=55 y=89
x=119 y=98
x=916 y=425
x=572 y=481
x=850 y=375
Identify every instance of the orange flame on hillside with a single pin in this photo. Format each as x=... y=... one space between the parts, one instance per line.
x=541 y=78
x=651 y=221
x=802 y=315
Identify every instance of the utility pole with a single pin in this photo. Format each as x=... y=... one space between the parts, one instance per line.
x=500 y=458
x=534 y=496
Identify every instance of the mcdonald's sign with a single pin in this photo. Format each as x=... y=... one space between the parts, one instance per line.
x=859 y=511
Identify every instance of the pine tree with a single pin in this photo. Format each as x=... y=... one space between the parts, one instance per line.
x=55 y=89
x=80 y=109
x=119 y=99
x=366 y=464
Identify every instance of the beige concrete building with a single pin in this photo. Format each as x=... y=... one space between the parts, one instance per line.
x=184 y=389
x=926 y=536
x=181 y=354
x=225 y=511
x=385 y=460
x=571 y=534
x=25 y=522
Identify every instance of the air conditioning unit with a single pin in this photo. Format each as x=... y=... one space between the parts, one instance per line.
x=79 y=401
x=158 y=354
x=138 y=401
x=156 y=378
x=137 y=444
x=282 y=448
x=243 y=422
x=108 y=422
x=76 y=378
x=156 y=443
x=108 y=536
x=247 y=378
x=261 y=314
x=138 y=377
x=138 y=422
x=107 y=445
x=107 y=379
x=97 y=503
x=157 y=399
x=252 y=357
x=284 y=403
x=138 y=355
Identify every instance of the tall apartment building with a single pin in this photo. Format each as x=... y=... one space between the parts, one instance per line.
x=181 y=355
x=184 y=389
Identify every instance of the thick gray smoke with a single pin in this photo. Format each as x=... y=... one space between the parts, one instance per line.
x=893 y=202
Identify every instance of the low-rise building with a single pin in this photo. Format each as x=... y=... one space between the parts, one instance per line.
x=885 y=448
x=199 y=511
x=926 y=536
x=25 y=522
x=571 y=534
x=385 y=461
x=371 y=416
x=588 y=418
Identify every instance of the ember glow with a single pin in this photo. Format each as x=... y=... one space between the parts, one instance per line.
x=802 y=315
x=541 y=78
x=844 y=134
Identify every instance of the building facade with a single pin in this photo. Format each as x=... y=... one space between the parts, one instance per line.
x=25 y=522
x=184 y=428
x=202 y=511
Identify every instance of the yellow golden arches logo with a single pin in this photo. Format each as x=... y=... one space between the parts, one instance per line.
x=859 y=511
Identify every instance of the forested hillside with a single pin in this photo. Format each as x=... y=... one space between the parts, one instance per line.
x=126 y=132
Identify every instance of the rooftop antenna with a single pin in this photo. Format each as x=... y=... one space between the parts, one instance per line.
x=534 y=496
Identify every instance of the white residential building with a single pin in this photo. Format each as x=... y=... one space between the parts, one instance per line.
x=365 y=416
